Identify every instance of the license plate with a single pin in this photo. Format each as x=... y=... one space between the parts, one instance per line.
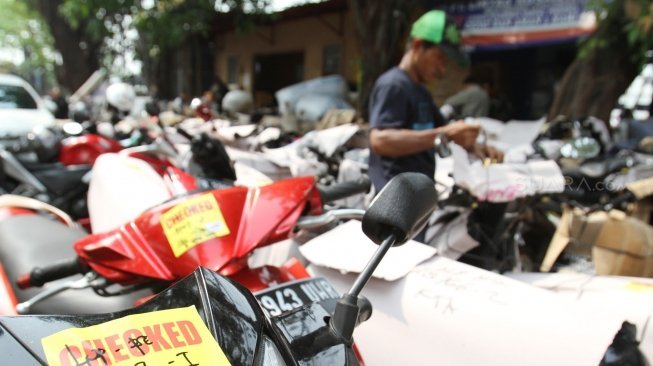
x=291 y=295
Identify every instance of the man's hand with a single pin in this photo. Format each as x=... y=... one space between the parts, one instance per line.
x=488 y=152
x=464 y=134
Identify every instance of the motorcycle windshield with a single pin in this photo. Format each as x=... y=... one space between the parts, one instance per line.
x=229 y=312
x=213 y=229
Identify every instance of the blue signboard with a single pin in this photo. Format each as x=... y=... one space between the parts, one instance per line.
x=497 y=23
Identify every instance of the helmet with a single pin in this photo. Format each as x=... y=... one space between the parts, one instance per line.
x=237 y=101
x=121 y=96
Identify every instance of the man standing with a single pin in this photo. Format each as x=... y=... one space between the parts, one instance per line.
x=404 y=119
x=62 y=105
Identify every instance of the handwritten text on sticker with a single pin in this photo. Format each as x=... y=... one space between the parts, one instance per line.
x=192 y=222
x=167 y=337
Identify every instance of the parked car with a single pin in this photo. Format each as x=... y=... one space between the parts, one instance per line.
x=21 y=108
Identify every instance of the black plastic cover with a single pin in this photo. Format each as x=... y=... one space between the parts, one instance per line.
x=402 y=208
x=230 y=312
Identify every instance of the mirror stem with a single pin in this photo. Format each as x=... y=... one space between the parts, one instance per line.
x=345 y=317
x=366 y=274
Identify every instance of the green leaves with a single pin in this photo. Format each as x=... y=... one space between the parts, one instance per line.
x=24 y=35
x=160 y=24
x=623 y=25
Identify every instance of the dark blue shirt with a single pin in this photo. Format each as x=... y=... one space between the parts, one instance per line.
x=397 y=101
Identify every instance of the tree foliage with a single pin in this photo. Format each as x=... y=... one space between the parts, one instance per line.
x=381 y=25
x=607 y=61
x=24 y=34
x=623 y=25
x=160 y=25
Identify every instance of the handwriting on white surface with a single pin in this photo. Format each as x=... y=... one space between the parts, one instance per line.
x=449 y=289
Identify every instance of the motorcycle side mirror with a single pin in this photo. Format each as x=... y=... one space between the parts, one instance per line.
x=581 y=148
x=397 y=214
x=402 y=208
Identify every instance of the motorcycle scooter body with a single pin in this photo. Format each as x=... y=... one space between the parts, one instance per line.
x=54 y=183
x=141 y=252
x=243 y=331
x=318 y=333
x=216 y=229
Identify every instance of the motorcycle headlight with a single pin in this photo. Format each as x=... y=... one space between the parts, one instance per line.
x=269 y=354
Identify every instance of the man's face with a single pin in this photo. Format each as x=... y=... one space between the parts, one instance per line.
x=430 y=63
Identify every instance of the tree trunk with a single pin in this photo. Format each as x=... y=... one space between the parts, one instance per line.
x=381 y=26
x=80 y=55
x=591 y=87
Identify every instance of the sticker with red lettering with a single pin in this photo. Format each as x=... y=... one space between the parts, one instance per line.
x=166 y=337
x=192 y=222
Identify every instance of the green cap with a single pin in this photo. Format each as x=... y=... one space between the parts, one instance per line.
x=435 y=27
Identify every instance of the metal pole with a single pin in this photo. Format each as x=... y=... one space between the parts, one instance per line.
x=365 y=275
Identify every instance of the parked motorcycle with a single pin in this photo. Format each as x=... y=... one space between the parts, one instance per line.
x=53 y=168
x=30 y=168
x=217 y=229
x=493 y=216
x=318 y=331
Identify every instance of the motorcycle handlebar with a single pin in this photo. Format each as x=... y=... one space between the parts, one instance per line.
x=18 y=146
x=41 y=275
x=344 y=189
x=618 y=201
x=624 y=198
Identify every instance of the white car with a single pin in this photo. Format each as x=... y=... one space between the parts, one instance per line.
x=21 y=108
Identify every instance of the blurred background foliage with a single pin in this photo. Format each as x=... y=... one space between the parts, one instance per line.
x=26 y=42
x=62 y=42
x=623 y=26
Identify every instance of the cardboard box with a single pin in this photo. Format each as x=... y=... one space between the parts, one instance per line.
x=623 y=247
x=618 y=243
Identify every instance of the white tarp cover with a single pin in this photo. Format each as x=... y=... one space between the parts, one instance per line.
x=440 y=311
x=505 y=182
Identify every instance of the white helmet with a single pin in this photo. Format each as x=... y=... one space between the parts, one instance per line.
x=121 y=96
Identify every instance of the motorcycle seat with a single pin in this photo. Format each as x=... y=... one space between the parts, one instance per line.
x=29 y=241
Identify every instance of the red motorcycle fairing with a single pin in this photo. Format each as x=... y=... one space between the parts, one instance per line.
x=215 y=229
x=179 y=181
x=159 y=165
x=85 y=149
x=6 y=212
x=8 y=299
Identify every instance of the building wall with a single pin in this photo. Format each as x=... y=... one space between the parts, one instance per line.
x=309 y=35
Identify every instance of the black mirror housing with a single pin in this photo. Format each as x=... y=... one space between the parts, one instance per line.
x=402 y=208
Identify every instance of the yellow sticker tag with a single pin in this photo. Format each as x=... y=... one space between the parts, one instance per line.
x=167 y=337
x=639 y=286
x=193 y=221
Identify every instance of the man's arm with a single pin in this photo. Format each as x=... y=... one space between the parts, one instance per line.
x=394 y=142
